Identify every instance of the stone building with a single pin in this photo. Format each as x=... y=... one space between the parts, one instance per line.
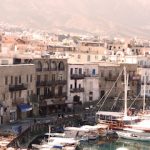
x=17 y=85
x=51 y=85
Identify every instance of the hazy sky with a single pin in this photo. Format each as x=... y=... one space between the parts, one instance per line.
x=88 y=14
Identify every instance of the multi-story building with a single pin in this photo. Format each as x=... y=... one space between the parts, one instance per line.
x=51 y=85
x=112 y=78
x=17 y=85
x=109 y=81
x=83 y=85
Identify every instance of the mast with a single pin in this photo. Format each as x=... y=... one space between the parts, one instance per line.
x=144 y=88
x=125 y=91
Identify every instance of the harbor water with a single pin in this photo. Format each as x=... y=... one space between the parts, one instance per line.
x=108 y=144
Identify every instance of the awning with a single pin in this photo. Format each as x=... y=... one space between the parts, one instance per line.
x=24 y=107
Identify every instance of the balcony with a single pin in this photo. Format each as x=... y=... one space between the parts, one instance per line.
x=111 y=78
x=38 y=69
x=57 y=82
x=52 y=82
x=77 y=90
x=91 y=75
x=61 y=95
x=18 y=87
x=77 y=76
x=40 y=83
x=45 y=69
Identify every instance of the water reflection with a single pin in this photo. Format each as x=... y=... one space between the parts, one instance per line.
x=119 y=144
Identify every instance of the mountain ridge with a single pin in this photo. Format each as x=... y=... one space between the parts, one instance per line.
x=130 y=17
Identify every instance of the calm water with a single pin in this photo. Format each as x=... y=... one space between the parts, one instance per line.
x=114 y=145
x=104 y=144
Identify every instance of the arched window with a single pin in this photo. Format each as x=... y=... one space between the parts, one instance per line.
x=53 y=65
x=61 y=66
x=45 y=66
x=39 y=66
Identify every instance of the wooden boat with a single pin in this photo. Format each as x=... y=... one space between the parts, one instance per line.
x=118 y=120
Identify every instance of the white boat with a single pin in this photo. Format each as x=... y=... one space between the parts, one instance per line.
x=54 y=143
x=133 y=134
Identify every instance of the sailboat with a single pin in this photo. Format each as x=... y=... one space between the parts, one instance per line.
x=118 y=120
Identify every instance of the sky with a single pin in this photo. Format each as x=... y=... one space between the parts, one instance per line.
x=89 y=15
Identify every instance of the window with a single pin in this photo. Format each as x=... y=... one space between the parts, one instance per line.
x=53 y=65
x=79 y=56
x=71 y=71
x=53 y=77
x=90 y=98
x=96 y=57
x=60 y=77
x=90 y=93
x=102 y=73
x=45 y=77
x=19 y=93
x=31 y=92
x=70 y=86
x=80 y=70
x=38 y=91
x=6 y=80
x=60 y=90
x=76 y=70
x=16 y=80
x=93 y=72
x=31 y=78
x=61 y=66
x=79 y=86
x=11 y=80
x=19 y=79
x=27 y=78
x=27 y=93
x=38 y=78
x=88 y=58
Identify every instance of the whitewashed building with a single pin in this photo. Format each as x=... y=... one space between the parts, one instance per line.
x=83 y=83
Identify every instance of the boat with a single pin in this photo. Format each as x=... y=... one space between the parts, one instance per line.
x=56 y=141
x=133 y=134
x=86 y=132
x=118 y=120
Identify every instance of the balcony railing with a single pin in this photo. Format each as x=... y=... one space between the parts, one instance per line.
x=91 y=75
x=38 y=69
x=77 y=76
x=111 y=78
x=49 y=96
x=77 y=90
x=52 y=82
x=61 y=95
x=45 y=69
x=18 y=87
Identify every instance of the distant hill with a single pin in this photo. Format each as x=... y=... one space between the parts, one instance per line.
x=114 y=17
